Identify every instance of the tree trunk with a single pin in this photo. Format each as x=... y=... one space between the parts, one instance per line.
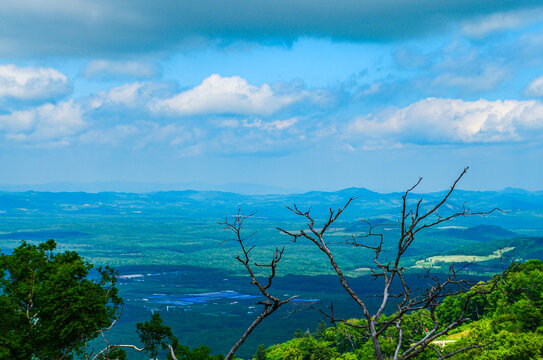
x=375 y=339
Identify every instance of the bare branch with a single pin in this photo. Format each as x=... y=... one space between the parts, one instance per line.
x=412 y=221
x=273 y=303
x=475 y=346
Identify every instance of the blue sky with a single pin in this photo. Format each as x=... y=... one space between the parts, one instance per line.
x=296 y=94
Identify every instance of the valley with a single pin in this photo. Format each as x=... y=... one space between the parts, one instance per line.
x=174 y=258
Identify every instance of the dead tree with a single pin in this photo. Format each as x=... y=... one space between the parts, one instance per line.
x=413 y=220
x=273 y=303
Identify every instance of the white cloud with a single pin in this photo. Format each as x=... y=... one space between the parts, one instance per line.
x=227 y=95
x=535 y=88
x=271 y=125
x=44 y=123
x=127 y=95
x=32 y=83
x=487 y=79
x=275 y=125
x=434 y=120
x=502 y=21
x=120 y=69
x=131 y=95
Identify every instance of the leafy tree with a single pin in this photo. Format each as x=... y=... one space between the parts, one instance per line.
x=521 y=297
x=53 y=304
x=153 y=333
x=50 y=306
x=512 y=322
x=303 y=348
x=346 y=338
x=502 y=343
x=321 y=328
x=260 y=353
x=181 y=352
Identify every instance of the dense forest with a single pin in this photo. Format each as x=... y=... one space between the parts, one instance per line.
x=56 y=305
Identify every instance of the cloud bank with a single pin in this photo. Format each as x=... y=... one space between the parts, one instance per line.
x=220 y=113
x=434 y=121
x=102 y=27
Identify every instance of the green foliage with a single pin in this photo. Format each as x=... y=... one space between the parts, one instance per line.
x=521 y=295
x=185 y=353
x=114 y=353
x=260 y=353
x=452 y=306
x=53 y=303
x=319 y=331
x=346 y=338
x=153 y=333
x=502 y=343
x=303 y=348
x=512 y=324
x=508 y=321
x=50 y=306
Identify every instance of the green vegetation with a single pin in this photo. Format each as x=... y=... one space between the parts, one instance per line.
x=435 y=261
x=180 y=228
x=172 y=239
x=507 y=324
x=53 y=305
x=49 y=306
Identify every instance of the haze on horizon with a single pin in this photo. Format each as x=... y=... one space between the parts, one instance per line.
x=318 y=95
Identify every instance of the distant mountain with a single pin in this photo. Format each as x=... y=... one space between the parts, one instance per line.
x=142 y=187
x=368 y=204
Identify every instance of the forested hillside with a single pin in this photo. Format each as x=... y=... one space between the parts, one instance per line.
x=505 y=324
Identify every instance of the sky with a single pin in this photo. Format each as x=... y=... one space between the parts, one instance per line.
x=298 y=94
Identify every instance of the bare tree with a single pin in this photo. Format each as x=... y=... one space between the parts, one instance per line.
x=273 y=303
x=413 y=220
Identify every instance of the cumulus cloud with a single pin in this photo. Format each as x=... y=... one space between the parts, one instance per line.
x=133 y=26
x=434 y=120
x=535 y=88
x=228 y=95
x=45 y=123
x=120 y=69
x=32 y=83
